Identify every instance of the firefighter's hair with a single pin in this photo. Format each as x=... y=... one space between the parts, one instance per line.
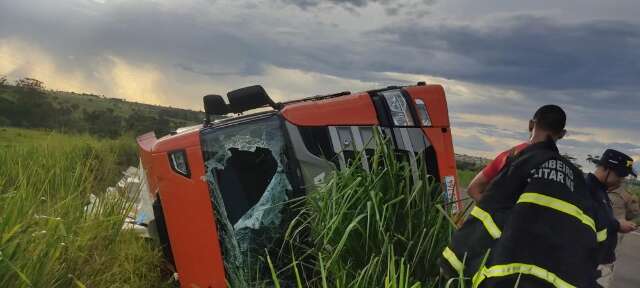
x=550 y=118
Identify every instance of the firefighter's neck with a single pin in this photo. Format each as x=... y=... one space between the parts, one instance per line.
x=538 y=135
x=602 y=174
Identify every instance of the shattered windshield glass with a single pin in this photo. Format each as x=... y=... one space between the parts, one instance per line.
x=245 y=169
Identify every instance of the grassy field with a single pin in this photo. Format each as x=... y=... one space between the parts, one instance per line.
x=47 y=239
x=465 y=177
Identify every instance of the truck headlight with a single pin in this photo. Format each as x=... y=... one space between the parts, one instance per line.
x=422 y=113
x=178 y=162
x=398 y=107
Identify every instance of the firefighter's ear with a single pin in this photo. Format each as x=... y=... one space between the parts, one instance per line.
x=532 y=123
x=562 y=134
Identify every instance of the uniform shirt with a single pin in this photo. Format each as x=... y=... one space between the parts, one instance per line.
x=604 y=220
x=494 y=167
x=625 y=206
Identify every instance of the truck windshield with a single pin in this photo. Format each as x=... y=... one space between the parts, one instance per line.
x=245 y=169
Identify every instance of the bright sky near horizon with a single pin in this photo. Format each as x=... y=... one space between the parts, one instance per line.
x=499 y=60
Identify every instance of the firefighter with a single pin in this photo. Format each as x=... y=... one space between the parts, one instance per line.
x=534 y=223
x=549 y=238
x=481 y=181
x=611 y=169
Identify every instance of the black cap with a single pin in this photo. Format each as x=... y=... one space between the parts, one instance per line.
x=617 y=161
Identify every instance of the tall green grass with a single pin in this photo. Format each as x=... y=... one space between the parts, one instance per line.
x=377 y=228
x=47 y=239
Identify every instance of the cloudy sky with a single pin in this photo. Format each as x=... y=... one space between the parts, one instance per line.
x=498 y=59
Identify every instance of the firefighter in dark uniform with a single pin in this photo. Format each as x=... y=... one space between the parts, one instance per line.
x=534 y=226
x=611 y=169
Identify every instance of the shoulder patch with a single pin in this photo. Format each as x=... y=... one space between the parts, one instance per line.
x=555 y=170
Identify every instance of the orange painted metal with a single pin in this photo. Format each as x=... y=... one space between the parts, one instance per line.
x=178 y=141
x=434 y=98
x=442 y=143
x=354 y=109
x=145 y=147
x=187 y=208
x=439 y=134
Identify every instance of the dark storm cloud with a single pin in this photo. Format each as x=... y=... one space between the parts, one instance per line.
x=530 y=51
x=595 y=108
x=589 y=67
x=393 y=6
x=314 y=3
x=145 y=32
x=141 y=31
x=582 y=60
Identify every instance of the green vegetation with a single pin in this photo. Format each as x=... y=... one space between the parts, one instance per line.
x=367 y=229
x=634 y=188
x=30 y=106
x=468 y=167
x=465 y=177
x=47 y=239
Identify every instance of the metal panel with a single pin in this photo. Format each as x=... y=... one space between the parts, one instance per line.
x=412 y=153
x=367 y=136
x=337 y=145
x=357 y=139
x=314 y=168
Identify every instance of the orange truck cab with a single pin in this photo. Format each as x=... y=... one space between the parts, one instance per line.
x=218 y=189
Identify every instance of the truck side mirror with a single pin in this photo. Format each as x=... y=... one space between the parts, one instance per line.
x=248 y=98
x=214 y=105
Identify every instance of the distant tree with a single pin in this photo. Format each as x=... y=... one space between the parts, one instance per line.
x=30 y=83
x=139 y=123
x=103 y=123
x=572 y=159
x=4 y=122
x=62 y=119
x=593 y=159
x=162 y=125
x=31 y=109
x=3 y=80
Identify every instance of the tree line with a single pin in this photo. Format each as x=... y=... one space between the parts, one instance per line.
x=27 y=104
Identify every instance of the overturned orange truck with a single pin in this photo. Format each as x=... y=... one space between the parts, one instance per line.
x=218 y=188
